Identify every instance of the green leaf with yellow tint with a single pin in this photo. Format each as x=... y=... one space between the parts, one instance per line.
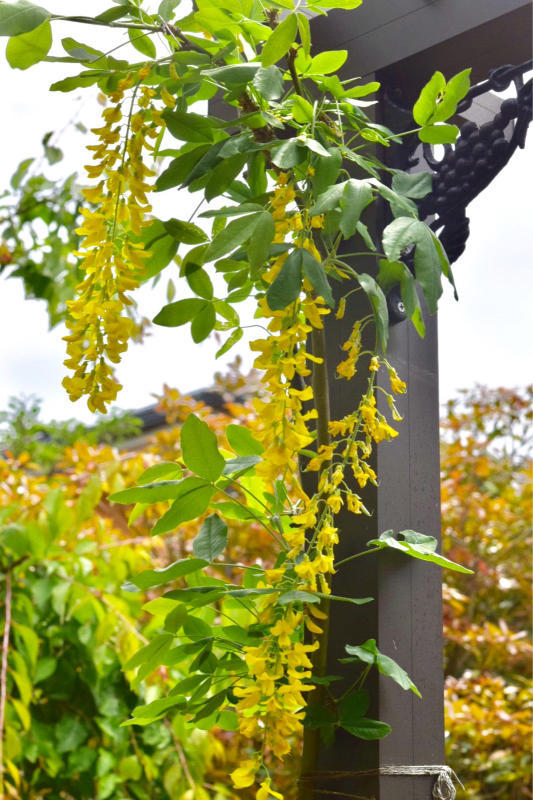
x=200 y=450
x=20 y=17
x=27 y=49
x=280 y=41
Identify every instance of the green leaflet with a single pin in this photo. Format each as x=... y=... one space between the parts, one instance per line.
x=236 y=233
x=280 y=41
x=353 y=706
x=212 y=538
x=27 y=49
x=392 y=273
x=164 y=470
x=200 y=450
x=20 y=17
x=259 y=246
x=181 y=167
x=232 y=339
x=242 y=441
x=415 y=184
x=417 y=545
x=142 y=42
x=304 y=29
x=175 y=314
x=425 y=106
x=152 y=493
x=430 y=259
x=355 y=198
x=438 y=100
x=288 y=154
x=160 y=645
x=379 y=307
x=199 y=281
x=233 y=75
x=191 y=503
x=269 y=82
x=365 y=728
x=287 y=284
x=328 y=61
x=439 y=134
x=151 y=578
x=368 y=653
x=189 y=127
x=316 y=275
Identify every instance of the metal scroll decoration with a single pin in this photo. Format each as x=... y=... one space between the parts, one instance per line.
x=468 y=167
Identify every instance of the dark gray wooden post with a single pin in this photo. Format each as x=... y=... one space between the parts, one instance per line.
x=403 y=43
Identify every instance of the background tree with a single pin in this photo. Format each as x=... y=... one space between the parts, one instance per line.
x=487 y=512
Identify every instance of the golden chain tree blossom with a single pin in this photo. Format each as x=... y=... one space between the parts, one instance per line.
x=100 y=317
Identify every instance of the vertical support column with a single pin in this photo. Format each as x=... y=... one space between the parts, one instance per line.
x=406 y=615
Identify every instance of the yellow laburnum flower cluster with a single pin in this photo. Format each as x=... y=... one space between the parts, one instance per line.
x=99 y=323
x=279 y=669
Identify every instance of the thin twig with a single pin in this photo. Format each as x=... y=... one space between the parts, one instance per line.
x=181 y=756
x=3 y=678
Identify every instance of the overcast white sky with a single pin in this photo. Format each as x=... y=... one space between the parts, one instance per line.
x=484 y=338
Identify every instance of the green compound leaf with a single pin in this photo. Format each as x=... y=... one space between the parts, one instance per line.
x=418 y=545
x=20 y=17
x=200 y=450
x=280 y=41
x=212 y=539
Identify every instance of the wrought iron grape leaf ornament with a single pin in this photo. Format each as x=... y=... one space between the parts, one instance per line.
x=466 y=168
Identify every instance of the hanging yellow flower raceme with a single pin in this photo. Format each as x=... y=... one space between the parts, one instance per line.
x=99 y=323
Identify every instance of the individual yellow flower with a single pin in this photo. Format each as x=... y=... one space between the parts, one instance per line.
x=265 y=792
x=397 y=385
x=244 y=775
